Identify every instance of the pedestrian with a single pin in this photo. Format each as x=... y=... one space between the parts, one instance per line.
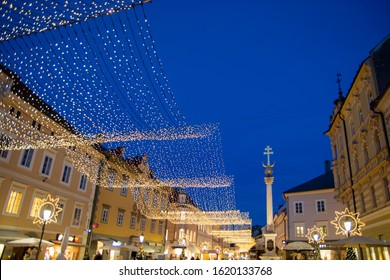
x=98 y=256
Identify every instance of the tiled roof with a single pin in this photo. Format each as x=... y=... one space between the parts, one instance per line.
x=324 y=181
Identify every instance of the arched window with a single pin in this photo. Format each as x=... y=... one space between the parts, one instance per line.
x=386 y=188
x=377 y=142
x=360 y=115
x=373 y=197
x=362 y=203
x=365 y=153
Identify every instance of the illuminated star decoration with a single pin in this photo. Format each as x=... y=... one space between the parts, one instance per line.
x=346 y=215
x=315 y=230
x=51 y=203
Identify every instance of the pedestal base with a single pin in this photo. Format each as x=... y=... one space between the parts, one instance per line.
x=270 y=247
x=270 y=256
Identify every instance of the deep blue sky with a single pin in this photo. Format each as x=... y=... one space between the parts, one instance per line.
x=266 y=71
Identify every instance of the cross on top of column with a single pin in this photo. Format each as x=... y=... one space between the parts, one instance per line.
x=268 y=152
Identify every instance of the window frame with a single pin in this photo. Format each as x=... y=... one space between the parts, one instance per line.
x=301 y=207
x=318 y=203
x=22 y=191
x=75 y=208
x=31 y=161
x=70 y=166
x=46 y=155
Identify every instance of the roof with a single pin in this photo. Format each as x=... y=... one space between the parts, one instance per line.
x=381 y=61
x=26 y=94
x=324 y=181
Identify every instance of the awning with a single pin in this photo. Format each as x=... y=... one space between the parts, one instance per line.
x=29 y=242
x=69 y=243
x=150 y=249
x=129 y=248
x=11 y=235
x=109 y=247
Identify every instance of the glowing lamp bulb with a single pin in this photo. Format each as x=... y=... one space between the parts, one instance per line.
x=348 y=225
x=46 y=214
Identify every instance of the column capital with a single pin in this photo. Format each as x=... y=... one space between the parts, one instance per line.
x=269 y=180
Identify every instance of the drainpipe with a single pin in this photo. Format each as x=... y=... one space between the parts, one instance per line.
x=94 y=206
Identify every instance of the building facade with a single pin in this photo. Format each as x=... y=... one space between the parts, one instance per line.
x=107 y=201
x=359 y=137
x=28 y=175
x=312 y=204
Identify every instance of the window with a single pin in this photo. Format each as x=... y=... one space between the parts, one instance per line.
x=46 y=165
x=27 y=158
x=37 y=200
x=366 y=156
x=362 y=203
x=110 y=179
x=66 y=174
x=76 y=216
x=360 y=115
x=124 y=186
x=320 y=205
x=155 y=198
x=119 y=220
x=3 y=154
x=182 y=198
x=299 y=231
x=143 y=223
x=324 y=229
x=146 y=196
x=386 y=188
x=160 y=227
x=136 y=193
x=105 y=214
x=133 y=220
x=298 y=208
x=61 y=205
x=377 y=141
x=162 y=203
x=14 y=202
x=83 y=182
x=373 y=197
x=153 y=226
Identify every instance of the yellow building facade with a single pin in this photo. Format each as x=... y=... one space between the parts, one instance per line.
x=359 y=135
x=123 y=210
x=27 y=175
x=107 y=201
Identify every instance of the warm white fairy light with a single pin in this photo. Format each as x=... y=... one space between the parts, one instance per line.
x=105 y=83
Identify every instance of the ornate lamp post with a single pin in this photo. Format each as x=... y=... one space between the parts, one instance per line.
x=316 y=235
x=348 y=224
x=47 y=212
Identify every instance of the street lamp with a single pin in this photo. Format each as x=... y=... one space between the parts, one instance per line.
x=316 y=235
x=45 y=214
x=141 y=245
x=348 y=226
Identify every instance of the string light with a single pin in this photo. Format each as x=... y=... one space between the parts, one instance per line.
x=93 y=68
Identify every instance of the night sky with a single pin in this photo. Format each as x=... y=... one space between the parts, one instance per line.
x=266 y=71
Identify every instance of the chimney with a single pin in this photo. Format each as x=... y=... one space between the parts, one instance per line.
x=327 y=166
